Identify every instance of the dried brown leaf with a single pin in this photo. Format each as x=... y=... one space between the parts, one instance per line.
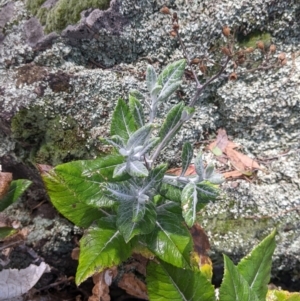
x=5 y=180
x=133 y=286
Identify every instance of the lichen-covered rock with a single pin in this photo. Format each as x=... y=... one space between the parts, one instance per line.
x=60 y=89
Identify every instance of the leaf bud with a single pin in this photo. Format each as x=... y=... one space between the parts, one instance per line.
x=272 y=48
x=249 y=50
x=226 y=51
x=173 y=33
x=175 y=17
x=176 y=26
x=232 y=76
x=241 y=60
x=283 y=62
x=260 y=45
x=203 y=68
x=195 y=61
x=165 y=10
x=226 y=31
x=281 y=56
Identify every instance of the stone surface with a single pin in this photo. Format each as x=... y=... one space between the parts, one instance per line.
x=72 y=81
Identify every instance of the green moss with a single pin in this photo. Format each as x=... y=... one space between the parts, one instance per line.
x=48 y=140
x=251 y=39
x=64 y=12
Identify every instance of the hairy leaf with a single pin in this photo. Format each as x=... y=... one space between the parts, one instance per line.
x=137 y=169
x=170 y=78
x=171 y=192
x=101 y=247
x=206 y=192
x=120 y=192
x=167 y=282
x=120 y=170
x=199 y=167
x=15 y=190
x=151 y=78
x=256 y=267
x=150 y=145
x=187 y=156
x=122 y=123
x=172 y=118
x=127 y=214
x=139 y=137
x=170 y=240
x=137 y=111
x=168 y=91
x=189 y=200
x=155 y=91
x=154 y=178
x=74 y=188
x=234 y=285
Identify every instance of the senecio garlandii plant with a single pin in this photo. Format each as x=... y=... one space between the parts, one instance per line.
x=129 y=204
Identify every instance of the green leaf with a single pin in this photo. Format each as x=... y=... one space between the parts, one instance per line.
x=137 y=169
x=137 y=111
x=139 y=137
x=171 y=192
x=101 y=247
x=170 y=78
x=207 y=192
x=199 y=167
x=74 y=188
x=151 y=78
x=234 y=285
x=6 y=231
x=15 y=190
x=123 y=122
x=172 y=118
x=170 y=240
x=187 y=156
x=154 y=178
x=256 y=267
x=129 y=211
x=167 y=282
x=189 y=200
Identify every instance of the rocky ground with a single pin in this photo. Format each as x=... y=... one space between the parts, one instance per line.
x=60 y=83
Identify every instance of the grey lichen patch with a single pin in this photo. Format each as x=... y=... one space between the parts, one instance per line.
x=48 y=140
x=63 y=13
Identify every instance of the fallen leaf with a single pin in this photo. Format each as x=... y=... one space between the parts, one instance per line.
x=44 y=169
x=5 y=180
x=133 y=286
x=14 y=283
x=177 y=171
x=101 y=288
x=223 y=148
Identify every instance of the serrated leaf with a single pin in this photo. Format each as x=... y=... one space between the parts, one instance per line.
x=256 y=266
x=102 y=246
x=74 y=188
x=16 y=189
x=234 y=285
x=151 y=78
x=199 y=167
x=139 y=137
x=167 y=282
x=170 y=240
x=172 y=118
x=187 y=156
x=127 y=214
x=170 y=78
x=137 y=111
x=137 y=169
x=122 y=123
x=189 y=200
